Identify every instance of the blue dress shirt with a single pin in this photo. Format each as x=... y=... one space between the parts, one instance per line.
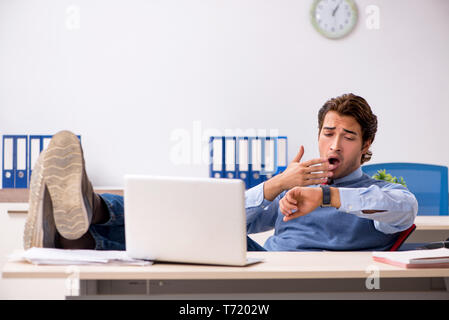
x=345 y=228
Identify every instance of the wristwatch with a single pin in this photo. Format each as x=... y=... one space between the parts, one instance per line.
x=326 y=196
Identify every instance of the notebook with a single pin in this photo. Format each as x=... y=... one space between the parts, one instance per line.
x=433 y=258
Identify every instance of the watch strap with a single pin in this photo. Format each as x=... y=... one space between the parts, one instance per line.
x=326 y=196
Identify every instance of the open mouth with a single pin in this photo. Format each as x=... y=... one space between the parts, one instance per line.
x=334 y=161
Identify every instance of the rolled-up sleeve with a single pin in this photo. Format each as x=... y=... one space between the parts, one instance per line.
x=398 y=207
x=260 y=213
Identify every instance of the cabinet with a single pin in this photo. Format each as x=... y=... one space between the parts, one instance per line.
x=12 y=222
x=13 y=212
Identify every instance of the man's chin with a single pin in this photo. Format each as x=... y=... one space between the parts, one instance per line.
x=341 y=172
x=335 y=176
x=338 y=173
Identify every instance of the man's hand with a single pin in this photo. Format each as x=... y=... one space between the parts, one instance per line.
x=300 y=201
x=300 y=174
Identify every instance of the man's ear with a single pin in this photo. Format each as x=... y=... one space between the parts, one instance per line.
x=366 y=146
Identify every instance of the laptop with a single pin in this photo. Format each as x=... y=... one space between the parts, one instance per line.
x=187 y=220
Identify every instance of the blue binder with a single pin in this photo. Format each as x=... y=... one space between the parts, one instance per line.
x=217 y=157
x=21 y=162
x=15 y=161
x=255 y=161
x=269 y=157
x=251 y=159
x=281 y=154
x=242 y=157
x=8 y=173
x=230 y=171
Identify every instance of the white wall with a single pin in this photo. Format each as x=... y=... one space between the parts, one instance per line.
x=132 y=77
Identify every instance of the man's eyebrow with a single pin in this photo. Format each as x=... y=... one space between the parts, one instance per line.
x=346 y=130
x=349 y=131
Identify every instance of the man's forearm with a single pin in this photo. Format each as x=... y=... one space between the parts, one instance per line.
x=335 y=198
x=335 y=201
x=272 y=188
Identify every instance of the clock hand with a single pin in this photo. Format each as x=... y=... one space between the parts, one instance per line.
x=336 y=8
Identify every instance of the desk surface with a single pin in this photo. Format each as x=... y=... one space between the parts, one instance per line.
x=432 y=223
x=276 y=265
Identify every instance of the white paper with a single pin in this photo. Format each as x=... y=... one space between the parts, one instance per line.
x=50 y=256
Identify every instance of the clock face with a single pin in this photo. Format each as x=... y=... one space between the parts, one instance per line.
x=334 y=18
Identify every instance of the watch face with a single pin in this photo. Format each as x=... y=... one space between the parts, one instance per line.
x=334 y=18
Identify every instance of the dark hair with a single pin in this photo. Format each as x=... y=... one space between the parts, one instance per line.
x=357 y=107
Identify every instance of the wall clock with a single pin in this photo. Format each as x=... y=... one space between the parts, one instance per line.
x=334 y=19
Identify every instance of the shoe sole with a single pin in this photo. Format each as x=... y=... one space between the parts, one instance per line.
x=33 y=232
x=63 y=173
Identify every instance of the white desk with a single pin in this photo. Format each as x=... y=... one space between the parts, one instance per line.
x=432 y=223
x=283 y=275
x=429 y=229
x=36 y=283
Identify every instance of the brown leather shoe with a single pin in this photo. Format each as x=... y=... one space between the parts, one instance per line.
x=61 y=195
x=70 y=190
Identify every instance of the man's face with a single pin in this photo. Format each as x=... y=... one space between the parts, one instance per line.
x=340 y=141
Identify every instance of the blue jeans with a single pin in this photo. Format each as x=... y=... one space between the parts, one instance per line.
x=111 y=235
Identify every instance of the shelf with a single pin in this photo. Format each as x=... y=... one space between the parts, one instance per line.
x=21 y=195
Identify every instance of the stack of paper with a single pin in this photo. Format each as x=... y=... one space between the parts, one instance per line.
x=76 y=257
x=434 y=258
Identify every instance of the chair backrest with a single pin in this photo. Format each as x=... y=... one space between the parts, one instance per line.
x=429 y=184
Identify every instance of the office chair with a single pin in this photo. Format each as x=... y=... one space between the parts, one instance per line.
x=429 y=184
x=401 y=239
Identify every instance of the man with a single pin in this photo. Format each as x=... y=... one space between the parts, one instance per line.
x=358 y=213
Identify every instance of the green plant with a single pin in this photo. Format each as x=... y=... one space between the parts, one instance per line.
x=383 y=175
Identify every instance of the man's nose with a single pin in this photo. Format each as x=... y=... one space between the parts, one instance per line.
x=336 y=144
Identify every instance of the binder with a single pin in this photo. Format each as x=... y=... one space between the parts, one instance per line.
x=21 y=162
x=269 y=163
x=8 y=173
x=255 y=161
x=282 y=159
x=217 y=155
x=20 y=153
x=230 y=154
x=15 y=161
x=251 y=159
x=242 y=167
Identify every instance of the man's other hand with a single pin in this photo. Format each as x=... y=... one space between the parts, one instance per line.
x=300 y=201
